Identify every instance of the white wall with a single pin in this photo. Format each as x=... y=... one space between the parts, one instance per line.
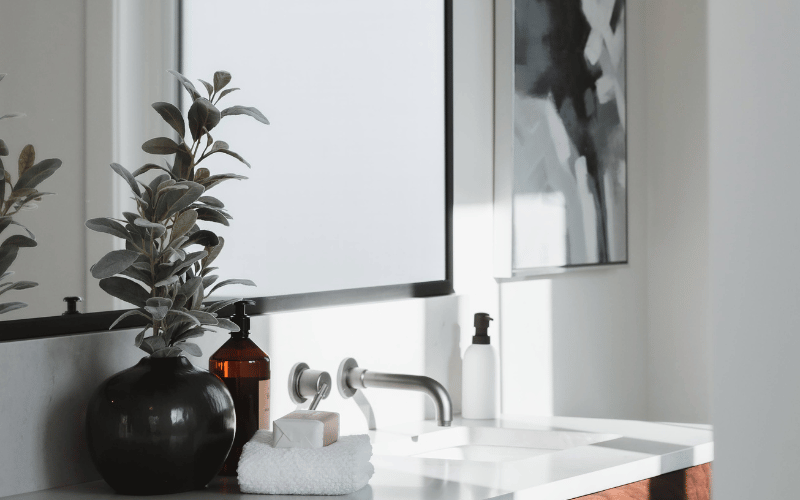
x=678 y=339
x=754 y=76
x=633 y=341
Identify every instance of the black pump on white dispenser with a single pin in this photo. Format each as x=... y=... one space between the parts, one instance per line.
x=482 y=329
x=479 y=375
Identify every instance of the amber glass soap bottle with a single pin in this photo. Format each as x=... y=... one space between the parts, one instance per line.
x=245 y=370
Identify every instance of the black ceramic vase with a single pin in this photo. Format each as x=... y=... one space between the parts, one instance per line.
x=161 y=426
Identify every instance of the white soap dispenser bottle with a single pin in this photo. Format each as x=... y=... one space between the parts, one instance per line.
x=479 y=374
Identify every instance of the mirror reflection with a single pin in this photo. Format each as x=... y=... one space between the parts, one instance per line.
x=346 y=185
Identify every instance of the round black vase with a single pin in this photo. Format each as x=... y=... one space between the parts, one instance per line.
x=161 y=426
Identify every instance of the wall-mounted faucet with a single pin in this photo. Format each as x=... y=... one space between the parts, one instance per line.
x=351 y=378
x=305 y=384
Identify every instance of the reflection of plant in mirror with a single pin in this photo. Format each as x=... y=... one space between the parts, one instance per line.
x=20 y=196
x=157 y=271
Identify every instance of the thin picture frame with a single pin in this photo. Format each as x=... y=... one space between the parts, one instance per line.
x=504 y=266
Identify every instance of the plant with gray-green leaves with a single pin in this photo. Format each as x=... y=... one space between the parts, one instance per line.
x=165 y=268
x=16 y=197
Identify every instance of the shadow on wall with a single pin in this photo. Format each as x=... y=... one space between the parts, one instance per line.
x=579 y=339
x=599 y=344
x=442 y=350
x=78 y=370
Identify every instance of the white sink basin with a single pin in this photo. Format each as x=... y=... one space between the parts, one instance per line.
x=486 y=444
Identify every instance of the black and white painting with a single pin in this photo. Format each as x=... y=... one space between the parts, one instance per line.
x=569 y=150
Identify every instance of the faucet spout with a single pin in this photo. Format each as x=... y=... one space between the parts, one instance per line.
x=427 y=385
x=350 y=378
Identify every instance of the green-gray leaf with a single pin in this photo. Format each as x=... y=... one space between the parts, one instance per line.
x=219 y=145
x=245 y=110
x=167 y=282
x=11 y=306
x=211 y=201
x=150 y=166
x=195 y=191
x=19 y=241
x=19 y=285
x=213 y=252
x=125 y=290
x=189 y=333
x=162 y=146
x=7 y=257
x=189 y=348
x=12 y=115
x=226 y=92
x=183 y=266
x=216 y=306
x=211 y=215
x=3 y=148
x=203 y=237
x=232 y=282
x=159 y=302
x=37 y=173
x=208 y=86
x=152 y=344
x=204 y=317
x=123 y=172
x=183 y=164
x=186 y=84
x=158 y=313
x=158 y=229
x=26 y=158
x=139 y=337
x=203 y=116
x=227 y=325
x=10 y=248
x=132 y=312
x=108 y=226
x=171 y=115
x=213 y=180
x=221 y=79
x=183 y=223
x=183 y=317
x=114 y=263
x=209 y=280
x=23 y=227
x=235 y=155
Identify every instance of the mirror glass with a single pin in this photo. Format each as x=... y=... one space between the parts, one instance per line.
x=347 y=185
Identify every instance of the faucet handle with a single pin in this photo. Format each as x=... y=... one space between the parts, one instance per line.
x=305 y=383
x=325 y=389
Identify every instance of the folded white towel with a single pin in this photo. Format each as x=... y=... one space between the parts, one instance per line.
x=338 y=469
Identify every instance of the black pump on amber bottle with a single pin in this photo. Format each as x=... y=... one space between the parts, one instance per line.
x=244 y=368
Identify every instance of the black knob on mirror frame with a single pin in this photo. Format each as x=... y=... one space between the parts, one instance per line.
x=72 y=305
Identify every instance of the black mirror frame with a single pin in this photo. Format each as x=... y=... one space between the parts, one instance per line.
x=59 y=326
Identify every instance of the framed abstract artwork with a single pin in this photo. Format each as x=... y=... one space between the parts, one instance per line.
x=560 y=136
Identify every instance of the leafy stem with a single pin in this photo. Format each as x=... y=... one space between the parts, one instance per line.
x=164 y=231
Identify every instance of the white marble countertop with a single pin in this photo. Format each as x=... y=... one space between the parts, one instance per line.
x=639 y=450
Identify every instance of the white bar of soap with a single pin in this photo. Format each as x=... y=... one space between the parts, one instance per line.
x=305 y=429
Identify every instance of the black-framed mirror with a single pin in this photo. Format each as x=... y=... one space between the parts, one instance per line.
x=380 y=70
